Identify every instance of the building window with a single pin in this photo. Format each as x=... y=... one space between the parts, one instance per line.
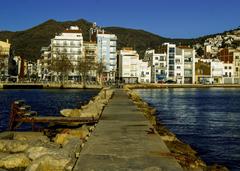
x=225 y=67
x=171 y=50
x=230 y=67
x=156 y=70
x=156 y=58
x=161 y=58
x=230 y=74
x=188 y=60
x=147 y=73
x=171 y=61
x=171 y=74
x=226 y=74
x=178 y=67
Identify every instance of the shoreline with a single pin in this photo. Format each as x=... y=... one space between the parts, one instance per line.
x=186 y=156
x=47 y=86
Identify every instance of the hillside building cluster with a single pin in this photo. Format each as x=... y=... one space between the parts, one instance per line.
x=98 y=60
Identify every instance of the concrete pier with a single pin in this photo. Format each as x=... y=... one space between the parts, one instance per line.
x=123 y=140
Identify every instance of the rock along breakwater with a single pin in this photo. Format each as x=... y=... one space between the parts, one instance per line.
x=34 y=151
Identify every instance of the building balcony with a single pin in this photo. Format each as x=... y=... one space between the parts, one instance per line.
x=188 y=75
x=66 y=45
x=188 y=61
x=113 y=44
x=161 y=68
x=67 y=53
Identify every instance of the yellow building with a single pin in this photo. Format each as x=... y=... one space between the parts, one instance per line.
x=4 y=56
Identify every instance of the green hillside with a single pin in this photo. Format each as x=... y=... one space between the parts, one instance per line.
x=28 y=43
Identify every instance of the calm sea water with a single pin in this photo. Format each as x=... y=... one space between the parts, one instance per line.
x=207 y=119
x=47 y=102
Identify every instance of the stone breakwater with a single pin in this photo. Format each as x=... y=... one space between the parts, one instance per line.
x=37 y=151
x=185 y=155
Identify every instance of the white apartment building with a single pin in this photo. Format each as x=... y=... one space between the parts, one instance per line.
x=107 y=54
x=43 y=64
x=17 y=59
x=128 y=65
x=171 y=54
x=70 y=43
x=236 y=63
x=169 y=62
x=158 y=63
x=187 y=62
x=179 y=66
x=144 y=72
x=217 y=71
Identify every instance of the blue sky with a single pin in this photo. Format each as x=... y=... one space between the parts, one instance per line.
x=175 y=18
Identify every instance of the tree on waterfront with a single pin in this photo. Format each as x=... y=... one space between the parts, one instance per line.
x=84 y=67
x=61 y=65
x=100 y=68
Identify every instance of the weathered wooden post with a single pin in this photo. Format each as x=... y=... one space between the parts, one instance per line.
x=13 y=114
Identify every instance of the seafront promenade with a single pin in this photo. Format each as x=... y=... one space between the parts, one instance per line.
x=32 y=85
x=124 y=140
x=26 y=85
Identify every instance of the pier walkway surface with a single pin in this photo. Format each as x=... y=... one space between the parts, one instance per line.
x=121 y=141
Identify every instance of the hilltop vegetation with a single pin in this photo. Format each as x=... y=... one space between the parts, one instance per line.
x=28 y=43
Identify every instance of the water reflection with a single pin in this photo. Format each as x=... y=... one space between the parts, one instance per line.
x=47 y=102
x=207 y=119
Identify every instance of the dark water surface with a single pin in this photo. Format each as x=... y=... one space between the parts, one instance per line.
x=47 y=102
x=207 y=119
